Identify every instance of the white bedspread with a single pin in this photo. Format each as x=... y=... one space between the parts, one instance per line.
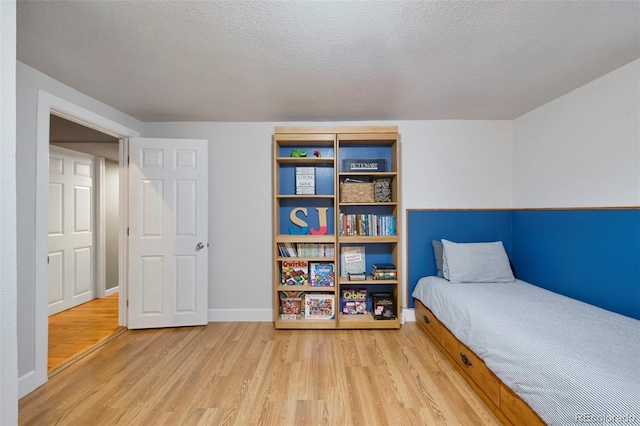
x=570 y=361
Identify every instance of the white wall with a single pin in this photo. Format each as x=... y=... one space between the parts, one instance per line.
x=8 y=280
x=29 y=150
x=582 y=149
x=456 y=164
x=444 y=164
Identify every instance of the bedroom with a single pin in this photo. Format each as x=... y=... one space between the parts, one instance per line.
x=558 y=155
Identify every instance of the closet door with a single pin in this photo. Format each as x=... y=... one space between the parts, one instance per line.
x=71 y=227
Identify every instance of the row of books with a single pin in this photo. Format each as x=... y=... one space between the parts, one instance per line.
x=384 y=271
x=296 y=305
x=367 y=224
x=306 y=249
x=302 y=272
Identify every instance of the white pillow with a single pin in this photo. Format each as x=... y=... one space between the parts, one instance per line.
x=476 y=262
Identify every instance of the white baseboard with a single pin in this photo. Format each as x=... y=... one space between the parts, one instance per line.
x=408 y=315
x=266 y=315
x=110 y=291
x=240 y=315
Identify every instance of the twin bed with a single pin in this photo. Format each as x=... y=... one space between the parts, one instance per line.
x=567 y=360
x=533 y=356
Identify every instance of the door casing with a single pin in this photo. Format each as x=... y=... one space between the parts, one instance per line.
x=50 y=104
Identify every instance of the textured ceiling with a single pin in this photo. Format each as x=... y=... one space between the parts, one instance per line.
x=326 y=60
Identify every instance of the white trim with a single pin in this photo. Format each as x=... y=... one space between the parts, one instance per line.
x=123 y=240
x=240 y=315
x=50 y=104
x=110 y=291
x=408 y=315
x=266 y=315
x=99 y=239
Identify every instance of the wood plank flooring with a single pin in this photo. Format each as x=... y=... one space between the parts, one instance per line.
x=77 y=330
x=252 y=374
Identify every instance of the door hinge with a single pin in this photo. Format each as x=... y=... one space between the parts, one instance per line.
x=47 y=260
x=127 y=232
x=128 y=160
x=127 y=303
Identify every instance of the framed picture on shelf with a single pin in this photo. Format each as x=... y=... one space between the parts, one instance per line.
x=305 y=180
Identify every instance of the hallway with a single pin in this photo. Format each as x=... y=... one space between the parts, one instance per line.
x=78 y=331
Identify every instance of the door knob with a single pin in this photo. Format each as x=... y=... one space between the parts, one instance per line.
x=199 y=246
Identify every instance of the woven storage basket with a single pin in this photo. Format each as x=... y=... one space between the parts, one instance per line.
x=356 y=192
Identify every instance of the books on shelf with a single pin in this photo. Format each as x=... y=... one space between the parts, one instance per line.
x=391 y=275
x=295 y=272
x=352 y=260
x=384 y=271
x=383 y=306
x=363 y=165
x=322 y=278
x=384 y=266
x=291 y=305
x=367 y=225
x=306 y=249
x=354 y=301
x=322 y=274
x=305 y=180
x=319 y=306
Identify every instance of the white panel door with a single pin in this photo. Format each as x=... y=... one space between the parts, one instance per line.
x=168 y=232
x=71 y=210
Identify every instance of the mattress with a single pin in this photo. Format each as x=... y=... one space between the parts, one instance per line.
x=571 y=362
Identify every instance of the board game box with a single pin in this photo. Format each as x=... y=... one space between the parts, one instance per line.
x=352 y=260
x=319 y=306
x=322 y=274
x=354 y=301
x=383 y=306
x=291 y=305
x=295 y=272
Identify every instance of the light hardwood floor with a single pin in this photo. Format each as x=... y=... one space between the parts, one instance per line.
x=252 y=374
x=78 y=330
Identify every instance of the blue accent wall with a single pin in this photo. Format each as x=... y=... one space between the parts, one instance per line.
x=590 y=255
x=460 y=226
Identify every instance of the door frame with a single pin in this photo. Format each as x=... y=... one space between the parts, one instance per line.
x=50 y=104
x=100 y=230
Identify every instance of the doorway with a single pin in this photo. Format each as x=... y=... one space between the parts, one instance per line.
x=33 y=324
x=84 y=273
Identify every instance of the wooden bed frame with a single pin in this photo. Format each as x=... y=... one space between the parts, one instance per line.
x=508 y=407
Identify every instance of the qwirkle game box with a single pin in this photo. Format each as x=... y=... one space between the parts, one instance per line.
x=295 y=272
